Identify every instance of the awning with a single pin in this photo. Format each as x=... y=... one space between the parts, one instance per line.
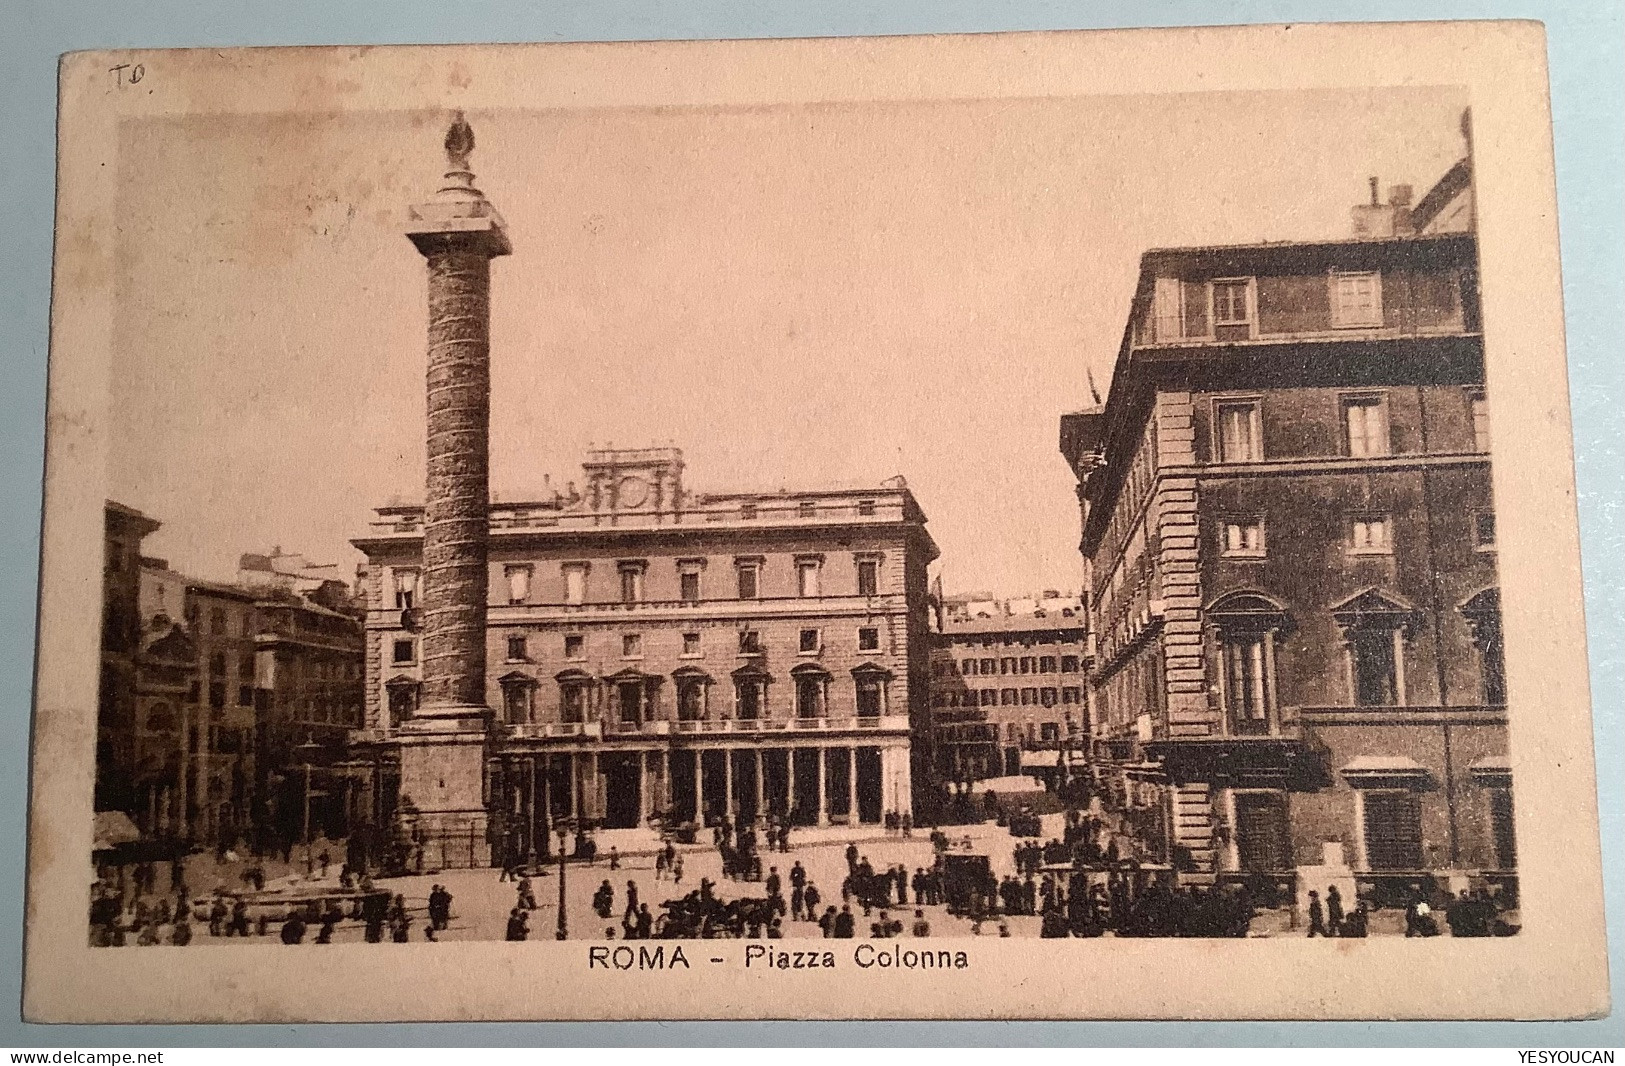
x=1040 y=759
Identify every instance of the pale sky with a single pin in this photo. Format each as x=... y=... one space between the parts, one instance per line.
x=797 y=296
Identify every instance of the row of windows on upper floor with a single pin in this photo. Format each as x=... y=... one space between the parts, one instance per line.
x=1047 y=696
x=1238 y=435
x=1249 y=308
x=810 y=641
x=747 y=584
x=1025 y=664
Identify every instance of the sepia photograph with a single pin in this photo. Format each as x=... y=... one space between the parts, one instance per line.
x=882 y=525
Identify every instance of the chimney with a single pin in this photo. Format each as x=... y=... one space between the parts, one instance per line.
x=1375 y=202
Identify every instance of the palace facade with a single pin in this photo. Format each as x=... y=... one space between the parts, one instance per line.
x=654 y=654
x=1289 y=522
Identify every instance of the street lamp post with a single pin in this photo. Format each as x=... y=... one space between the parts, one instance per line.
x=563 y=831
x=307 y=749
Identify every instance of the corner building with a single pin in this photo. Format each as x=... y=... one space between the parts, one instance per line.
x=657 y=654
x=1288 y=518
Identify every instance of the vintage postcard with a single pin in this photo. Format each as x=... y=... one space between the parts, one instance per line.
x=1032 y=526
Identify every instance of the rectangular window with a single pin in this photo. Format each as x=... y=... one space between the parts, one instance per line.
x=1356 y=300
x=749 y=584
x=518 y=583
x=1480 y=410
x=1046 y=664
x=989 y=666
x=806 y=509
x=866 y=508
x=1238 y=432
x=747 y=511
x=1375 y=666
x=631 y=645
x=516 y=649
x=217 y=622
x=691 y=700
x=691 y=645
x=750 y=642
x=1502 y=829
x=1029 y=696
x=1247 y=683
x=1371 y=535
x=869 y=640
x=1026 y=666
x=1230 y=306
x=1484 y=530
x=807 y=578
x=988 y=697
x=573 y=703
x=1243 y=537
x=870 y=700
x=868 y=577
x=1007 y=697
x=575 y=647
x=1365 y=426
x=1047 y=697
x=809 y=697
x=406 y=589
x=1049 y=732
x=575 y=583
x=629 y=694
x=968 y=667
x=1069 y=664
x=1393 y=830
x=631 y=582
x=1071 y=695
x=404 y=651
x=689 y=586
x=809 y=640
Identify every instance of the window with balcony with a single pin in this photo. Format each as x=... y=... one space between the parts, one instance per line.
x=573 y=701
x=1365 y=426
x=750 y=696
x=406 y=588
x=749 y=573
x=807 y=576
x=1483 y=614
x=1375 y=627
x=518 y=583
x=630 y=699
x=691 y=698
x=575 y=583
x=870 y=697
x=868 y=577
x=631 y=581
x=810 y=697
x=1238 y=432
x=518 y=699
x=1247 y=624
x=1356 y=300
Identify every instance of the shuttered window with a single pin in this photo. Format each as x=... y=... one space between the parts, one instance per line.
x=1393 y=831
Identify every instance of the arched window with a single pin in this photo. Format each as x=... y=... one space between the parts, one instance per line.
x=871 y=682
x=693 y=685
x=1246 y=625
x=518 y=698
x=575 y=696
x=1483 y=614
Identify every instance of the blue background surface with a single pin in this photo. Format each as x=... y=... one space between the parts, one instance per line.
x=1586 y=43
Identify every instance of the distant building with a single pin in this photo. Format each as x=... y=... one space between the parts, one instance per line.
x=121 y=784
x=656 y=653
x=1008 y=686
x=1290 y=531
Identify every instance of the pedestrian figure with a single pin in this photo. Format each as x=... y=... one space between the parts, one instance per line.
x=518 y=927
x=631 y=898
x=1334 y=911
x=603 y=900
x=646 y=922
x=1355 y=925
x=677 y=870
x=325 y=860
x=527 y=896
x=660 y=866
x=826 y=923
x=181 y=934
x=921 y=926
x=810 y=901
x=845 y=924
x=1317 y=915
x=293 y=930
x=797 y=895
x=614 y=857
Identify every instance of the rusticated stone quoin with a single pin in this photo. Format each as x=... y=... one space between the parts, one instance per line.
x=457 y=490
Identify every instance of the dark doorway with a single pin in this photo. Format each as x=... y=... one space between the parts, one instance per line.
x=804 y=774
x=683 y=769
x=1262 y=842
x=623 y=791
x=871 y=802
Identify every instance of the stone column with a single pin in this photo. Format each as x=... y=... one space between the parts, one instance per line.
x=699 y=786
x=852 y=785
x=761 y=807
x=823 y=790
x=728 y=807
x=443 y=768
